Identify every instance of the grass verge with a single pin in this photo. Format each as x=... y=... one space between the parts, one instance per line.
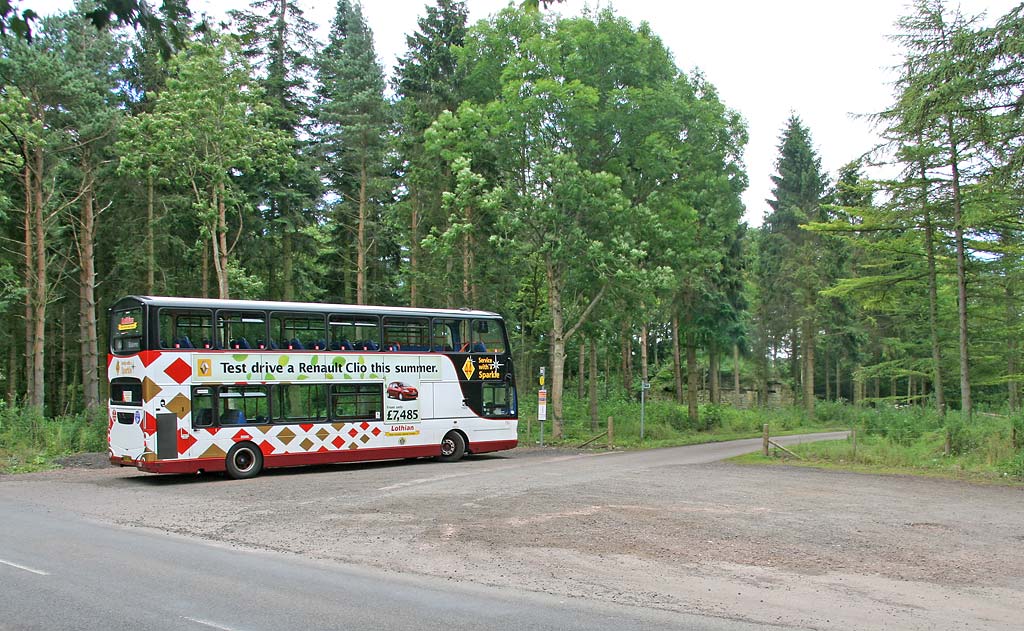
x=30 y=442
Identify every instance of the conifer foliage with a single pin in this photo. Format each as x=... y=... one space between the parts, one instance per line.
x=561 y=170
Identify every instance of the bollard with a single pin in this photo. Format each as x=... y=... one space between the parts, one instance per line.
x=764 y=440
x=611 y=433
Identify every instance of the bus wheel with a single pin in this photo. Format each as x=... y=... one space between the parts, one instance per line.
x=453 y=446
x=244 y=461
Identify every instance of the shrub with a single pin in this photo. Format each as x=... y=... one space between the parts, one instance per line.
x=1014 y=467
x=30 y=441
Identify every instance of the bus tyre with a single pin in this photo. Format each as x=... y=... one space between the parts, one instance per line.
x=453 y=446
x=244 y=461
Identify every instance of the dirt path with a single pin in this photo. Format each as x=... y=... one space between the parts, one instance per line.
x=662 y=528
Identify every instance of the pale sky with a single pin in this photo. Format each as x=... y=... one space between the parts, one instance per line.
x=825 y=60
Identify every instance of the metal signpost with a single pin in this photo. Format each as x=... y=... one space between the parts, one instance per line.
x=542 y=406
x=644 y=387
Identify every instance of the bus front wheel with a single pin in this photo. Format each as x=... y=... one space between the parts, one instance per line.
x=244 y=461
x=453 y=446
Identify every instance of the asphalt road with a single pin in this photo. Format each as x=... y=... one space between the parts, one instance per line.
x=59 y=571
x=531 y=538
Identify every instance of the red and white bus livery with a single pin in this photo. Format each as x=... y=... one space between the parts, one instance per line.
x=238 y=386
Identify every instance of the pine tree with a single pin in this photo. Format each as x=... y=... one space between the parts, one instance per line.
x=791 y=258
x=427 y=82
x=353 y=120
x=278 y=42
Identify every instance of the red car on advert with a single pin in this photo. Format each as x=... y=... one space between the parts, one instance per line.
x=401 y=391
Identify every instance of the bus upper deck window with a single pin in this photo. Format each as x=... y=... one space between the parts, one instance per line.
x=185 y=328
x=241 y=330
x=488 y=336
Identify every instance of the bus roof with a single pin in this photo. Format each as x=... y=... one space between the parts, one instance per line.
x=313 y=307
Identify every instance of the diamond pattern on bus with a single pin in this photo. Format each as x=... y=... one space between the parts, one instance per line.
x=306 y=444
x=180 y=405
x=241 y=435
x=322 y=434
x=213 y=451
x=364 y=425
x=353 y=432
x=148 y=424
x=376 y=431
x=149 y=389
x=185 y=441
x=286 y=436
x=148 y=357
x=338 y=442
x=179 y=370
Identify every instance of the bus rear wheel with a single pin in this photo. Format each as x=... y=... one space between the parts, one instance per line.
x=245 y=460
x=453 y=446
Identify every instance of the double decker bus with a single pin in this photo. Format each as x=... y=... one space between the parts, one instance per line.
x=238 y=386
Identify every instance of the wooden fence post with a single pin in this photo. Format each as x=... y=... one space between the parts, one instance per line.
x=611 y=433
x=853 y=437
x=764 y=440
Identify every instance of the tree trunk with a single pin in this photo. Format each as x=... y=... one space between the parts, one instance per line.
x=469 y=286
x=933 y=312
x=839 y=383
x=557 y=352
x=677 y=364
x=63 y=400
x=29 y=236
x=361 y=238
x=206 y=268
x=961 y=278
x=795 y=361
x=13 y=360
x=692 y=376
x=808 y=363
x=713 y=370
x=627 y=358
x=594 y=420
x=150 y=236
x=220 y=242
x=87 y=294
x=858 y=387
x=38 y=399
x=736 y=372
x=1013 y=388
x=287 y=265
x=581 y=382
x=414 y=249
x=828 y=376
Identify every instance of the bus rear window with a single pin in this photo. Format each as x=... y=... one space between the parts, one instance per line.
x=125 y=391
x=126 y=331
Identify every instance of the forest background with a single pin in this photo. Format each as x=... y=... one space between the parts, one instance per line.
x=563 y=172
